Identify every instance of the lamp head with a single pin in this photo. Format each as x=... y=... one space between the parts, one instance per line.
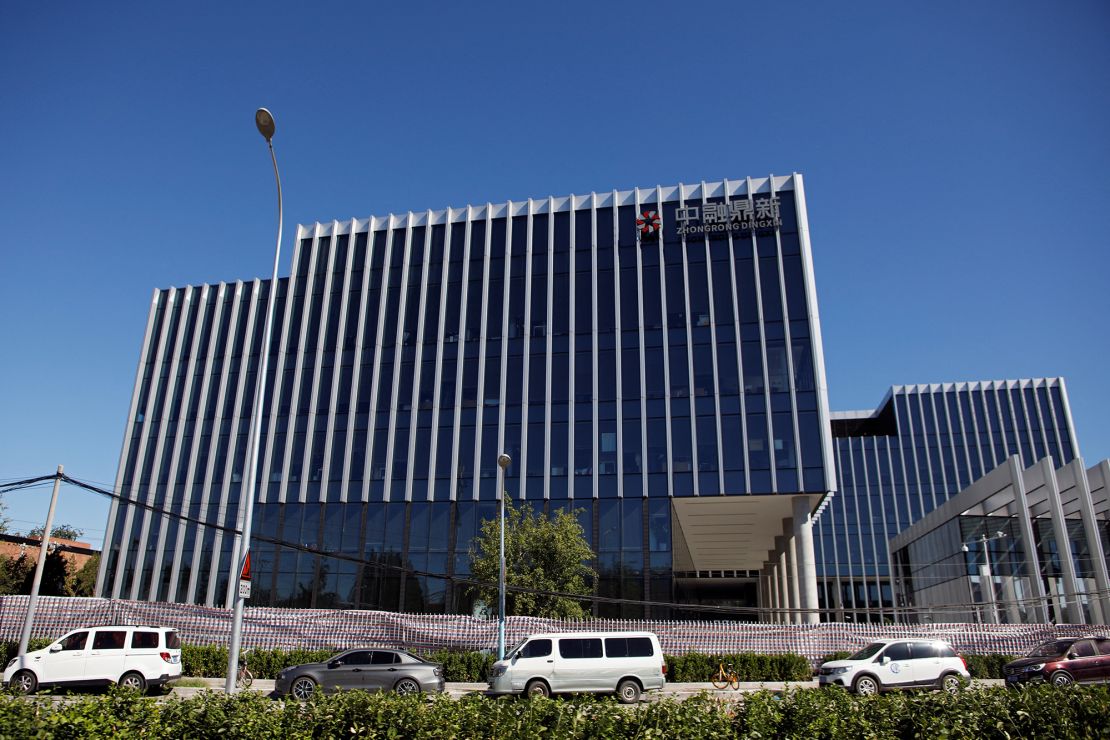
x=1000 y=534
x=265 y=123
x=964 y=548
x=504 y=460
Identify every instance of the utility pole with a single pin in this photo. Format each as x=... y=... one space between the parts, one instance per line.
x=25 y=638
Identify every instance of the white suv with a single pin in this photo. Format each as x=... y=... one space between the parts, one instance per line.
x=898 y=664
x=136 y=657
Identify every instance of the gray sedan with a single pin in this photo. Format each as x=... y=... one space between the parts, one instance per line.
x=365 y=669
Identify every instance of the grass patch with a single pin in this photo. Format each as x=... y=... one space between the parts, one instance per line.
x=188 y=682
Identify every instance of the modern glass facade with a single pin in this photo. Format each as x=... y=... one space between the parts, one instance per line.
x=923 y=445
x=628 y=350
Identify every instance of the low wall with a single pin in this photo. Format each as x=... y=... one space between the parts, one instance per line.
x=267 y=627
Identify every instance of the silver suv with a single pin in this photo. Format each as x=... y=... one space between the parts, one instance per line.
x=898 y=664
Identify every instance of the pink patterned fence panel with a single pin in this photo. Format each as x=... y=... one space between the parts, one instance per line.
x=266 y=627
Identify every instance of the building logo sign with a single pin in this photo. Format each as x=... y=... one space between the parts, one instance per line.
x=648 y=222
x=717 y=220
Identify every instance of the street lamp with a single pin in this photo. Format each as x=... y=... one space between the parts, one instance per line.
x=503 y=461
x=264 y=121
x=986 y=579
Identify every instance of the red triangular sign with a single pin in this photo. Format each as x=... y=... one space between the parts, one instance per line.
x=246 y=576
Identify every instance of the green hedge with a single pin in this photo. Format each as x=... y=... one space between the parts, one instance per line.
x=698 y=667
x=987 y=666
x=211 y=660
x=1043 y=711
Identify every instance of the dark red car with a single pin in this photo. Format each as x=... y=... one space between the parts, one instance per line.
x=1063 y=661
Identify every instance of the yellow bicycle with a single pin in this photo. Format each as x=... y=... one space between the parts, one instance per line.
x=725 y=676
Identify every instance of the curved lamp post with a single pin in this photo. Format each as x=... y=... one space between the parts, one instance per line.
x=264 y=121
x=503 y=461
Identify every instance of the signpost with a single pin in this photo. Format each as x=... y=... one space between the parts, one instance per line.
x=245 y=579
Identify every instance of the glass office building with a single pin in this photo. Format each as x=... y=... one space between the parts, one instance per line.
x=922 y=446
x=650 y=359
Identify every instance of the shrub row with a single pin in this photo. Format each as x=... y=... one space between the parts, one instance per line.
x=472 y=667
x=987 y=666
x=1073 y=712
x=698 y=667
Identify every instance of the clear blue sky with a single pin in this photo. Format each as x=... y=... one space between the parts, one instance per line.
x=956 y=155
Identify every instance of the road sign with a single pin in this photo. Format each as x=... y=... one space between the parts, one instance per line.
x=244 y=588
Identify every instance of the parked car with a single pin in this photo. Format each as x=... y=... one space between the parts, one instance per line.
x=627 y=663
x=363 y=669
x=136 y=657
x=1061 y=662
x=898 y=664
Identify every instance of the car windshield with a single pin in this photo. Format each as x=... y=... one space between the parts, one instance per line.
x=867 y=652
x=1050 y=649
x=512 y=651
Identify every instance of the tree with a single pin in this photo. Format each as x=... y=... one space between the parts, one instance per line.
x=83 y=582
x=55 y=576
x=13 y=573
x=17 y=575
x=62 y=531
x=541 y=553
x=4 y=521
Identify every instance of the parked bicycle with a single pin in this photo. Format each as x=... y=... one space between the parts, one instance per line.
x=724 y=677
x=244 y=677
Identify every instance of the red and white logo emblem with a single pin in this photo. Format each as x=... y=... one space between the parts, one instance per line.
x=648 y=222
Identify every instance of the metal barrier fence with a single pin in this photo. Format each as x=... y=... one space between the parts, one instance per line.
x=269 y=627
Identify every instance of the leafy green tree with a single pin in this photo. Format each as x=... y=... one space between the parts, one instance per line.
x=548 y=554
x=14 y=572
x=83 y=582
x=55 y=576
x=64 y=531
x=17 y=575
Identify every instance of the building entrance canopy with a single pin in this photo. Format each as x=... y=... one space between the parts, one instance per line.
x=731 y=533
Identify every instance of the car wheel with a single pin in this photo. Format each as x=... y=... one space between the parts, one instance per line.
x=951 y=683
x=865 y=686
x=134 y=681
x=536 y=687
x=1062 y=678
x=407 y=686
x=628 y=691
x=25 y=682
x=302 y=688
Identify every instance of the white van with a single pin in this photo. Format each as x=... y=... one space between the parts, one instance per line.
x=136 y=657
x=627 y=663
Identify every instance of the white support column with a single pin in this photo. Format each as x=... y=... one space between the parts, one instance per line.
x=783 y=580
x=806 y=561
x=1072 y=611
x=792 y=563
x=773 y=589
x=1100 y=603
x=1028 y=538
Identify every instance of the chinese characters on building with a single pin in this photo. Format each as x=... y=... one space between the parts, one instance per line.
x=722 y=219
